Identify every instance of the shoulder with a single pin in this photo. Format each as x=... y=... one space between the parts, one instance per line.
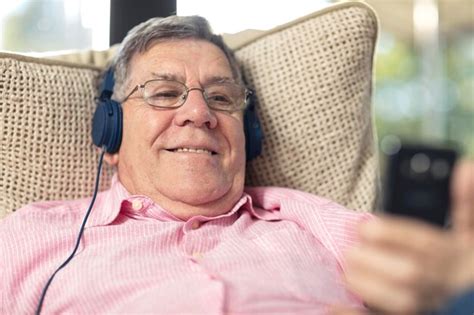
x=55 y=213
x=271 y=197
x=331 y=223
x=305 y=207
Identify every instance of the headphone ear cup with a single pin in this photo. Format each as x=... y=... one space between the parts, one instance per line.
x=107 y=125
x=253 y=133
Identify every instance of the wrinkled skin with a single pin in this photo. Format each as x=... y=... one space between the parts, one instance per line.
x=183 y=183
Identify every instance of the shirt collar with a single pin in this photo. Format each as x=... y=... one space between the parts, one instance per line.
x=108 y=204
x=117 y=199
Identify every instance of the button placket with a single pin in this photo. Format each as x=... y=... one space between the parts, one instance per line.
x=193 y=242
x=197 y=255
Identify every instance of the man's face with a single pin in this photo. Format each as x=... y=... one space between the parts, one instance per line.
x=150 y=161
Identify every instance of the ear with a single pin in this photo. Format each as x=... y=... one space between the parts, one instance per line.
x=111 y=159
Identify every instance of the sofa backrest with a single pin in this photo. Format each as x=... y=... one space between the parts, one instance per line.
x=313 y=81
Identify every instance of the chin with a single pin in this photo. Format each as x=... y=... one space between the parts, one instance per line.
x=206 y=202
x=204 y=195
x=199 y=194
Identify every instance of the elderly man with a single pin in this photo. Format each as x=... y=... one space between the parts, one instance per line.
x=177 y=232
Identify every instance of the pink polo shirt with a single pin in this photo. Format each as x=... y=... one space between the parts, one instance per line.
x=277 y=251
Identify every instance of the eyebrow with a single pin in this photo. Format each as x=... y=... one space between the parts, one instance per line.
x=219 y=79
x=207 y=81
x=166 y=76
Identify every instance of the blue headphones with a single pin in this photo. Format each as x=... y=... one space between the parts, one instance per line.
x=107 y=122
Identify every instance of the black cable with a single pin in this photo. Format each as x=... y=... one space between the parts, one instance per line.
x=96 y=189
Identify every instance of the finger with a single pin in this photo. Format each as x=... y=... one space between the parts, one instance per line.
x=378 y=293
x=462 y=183
x=420 y=281
x=342 y=310
x=411 y=235
x=462 y=196
x=383 y=279
x=463 y=224
x=387 y=264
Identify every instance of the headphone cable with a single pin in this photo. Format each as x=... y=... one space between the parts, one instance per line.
x=81 y=231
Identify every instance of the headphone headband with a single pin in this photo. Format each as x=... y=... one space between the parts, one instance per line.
x=107 y=88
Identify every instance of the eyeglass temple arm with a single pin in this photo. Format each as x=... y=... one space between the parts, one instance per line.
x=133 y=91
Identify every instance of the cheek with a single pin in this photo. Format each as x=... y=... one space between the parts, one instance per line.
x=236 y=138
x=142 y=126
x=241 y=144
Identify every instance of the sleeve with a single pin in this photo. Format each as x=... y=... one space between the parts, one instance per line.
x=460 y=305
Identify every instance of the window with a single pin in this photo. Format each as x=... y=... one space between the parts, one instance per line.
x=51 y=25
x=421 y=91
x=236 y=16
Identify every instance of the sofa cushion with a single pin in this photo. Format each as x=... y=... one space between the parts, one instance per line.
x=45 y=114
x=313 y=81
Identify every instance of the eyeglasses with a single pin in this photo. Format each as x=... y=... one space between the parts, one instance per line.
x=162 y=93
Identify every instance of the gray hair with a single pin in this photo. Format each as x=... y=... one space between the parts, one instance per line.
x=141 y=38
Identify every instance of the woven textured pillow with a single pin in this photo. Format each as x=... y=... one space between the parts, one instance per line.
x=313 y=79
x=313 y=82
x=45 y=123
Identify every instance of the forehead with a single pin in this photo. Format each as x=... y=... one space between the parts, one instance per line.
x=186 y=59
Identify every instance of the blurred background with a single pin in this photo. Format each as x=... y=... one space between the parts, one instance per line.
x=424 y=74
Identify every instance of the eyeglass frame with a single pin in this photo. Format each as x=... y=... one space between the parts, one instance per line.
x=247 y=94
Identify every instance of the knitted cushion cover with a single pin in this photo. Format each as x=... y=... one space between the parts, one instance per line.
x=313 y=81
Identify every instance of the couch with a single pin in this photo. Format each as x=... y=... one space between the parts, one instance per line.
x=313 y=81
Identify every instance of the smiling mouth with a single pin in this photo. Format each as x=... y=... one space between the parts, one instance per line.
x=192 y=150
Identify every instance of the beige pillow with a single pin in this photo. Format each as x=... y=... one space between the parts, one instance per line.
x=45 y=121
x=313 y=82
x=313 y=79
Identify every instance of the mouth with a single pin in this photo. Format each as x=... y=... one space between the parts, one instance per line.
x=192 y=150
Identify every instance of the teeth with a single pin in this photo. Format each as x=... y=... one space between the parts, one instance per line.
x=193 y=150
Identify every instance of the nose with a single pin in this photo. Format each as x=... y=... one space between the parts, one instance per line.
x=195 y=111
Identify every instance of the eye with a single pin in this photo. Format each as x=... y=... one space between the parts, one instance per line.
x=220 y=95
x=219 y=99
x=164 y=95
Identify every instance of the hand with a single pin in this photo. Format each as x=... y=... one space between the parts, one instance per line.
x=405 y=266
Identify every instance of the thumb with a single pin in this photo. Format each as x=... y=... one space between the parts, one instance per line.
x=462 y=196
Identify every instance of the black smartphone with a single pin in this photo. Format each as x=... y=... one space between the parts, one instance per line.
x=417 y=182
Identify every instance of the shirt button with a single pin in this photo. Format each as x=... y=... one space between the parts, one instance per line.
x=195 y=225
x=197 y=255
x=137 y=204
